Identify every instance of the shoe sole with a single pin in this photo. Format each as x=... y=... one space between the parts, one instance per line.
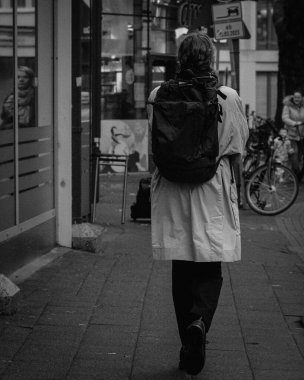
x=195 y=350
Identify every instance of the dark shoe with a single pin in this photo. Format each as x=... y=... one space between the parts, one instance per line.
x=194 y=349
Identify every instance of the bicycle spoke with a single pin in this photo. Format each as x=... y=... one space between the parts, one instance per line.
x=274 y=193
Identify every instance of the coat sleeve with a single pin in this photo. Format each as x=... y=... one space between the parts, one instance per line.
x=286 y=118
x=233 y=131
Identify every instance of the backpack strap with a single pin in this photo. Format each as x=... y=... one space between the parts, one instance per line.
x=221 y=94
x=230 y=158
x=232 y=181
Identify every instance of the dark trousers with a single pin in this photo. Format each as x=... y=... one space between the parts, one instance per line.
x=196 y=289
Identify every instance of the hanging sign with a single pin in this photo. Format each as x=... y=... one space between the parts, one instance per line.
x=227 y=20
x=234 y=29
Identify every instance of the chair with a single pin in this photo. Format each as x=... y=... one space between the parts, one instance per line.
x=111 y=160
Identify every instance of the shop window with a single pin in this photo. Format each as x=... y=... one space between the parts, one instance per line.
x=26 y=119
x=164 y=24
x=266 y=35
x=266 y=94
x=6 y=4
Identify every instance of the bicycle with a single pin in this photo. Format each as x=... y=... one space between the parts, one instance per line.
x=257 y=147
x=272 y=187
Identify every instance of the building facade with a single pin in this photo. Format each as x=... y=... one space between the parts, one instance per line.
x=75 y=76
x=35 y=129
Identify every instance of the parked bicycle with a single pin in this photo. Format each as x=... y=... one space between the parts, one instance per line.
x=257 y=147
x=272 y=187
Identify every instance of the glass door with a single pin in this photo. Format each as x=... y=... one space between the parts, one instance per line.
x=26 y=125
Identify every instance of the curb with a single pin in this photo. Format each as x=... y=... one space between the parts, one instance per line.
x=28 y=270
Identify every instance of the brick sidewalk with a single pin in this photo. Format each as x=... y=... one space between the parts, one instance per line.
x=109 y=315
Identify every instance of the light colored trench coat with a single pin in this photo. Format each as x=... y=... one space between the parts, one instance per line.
x=201 y=222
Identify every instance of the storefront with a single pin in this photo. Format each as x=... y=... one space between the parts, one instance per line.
x=138 y=51
x=30 y=121
x=121 y=50
x=27 y=126
x=75 y=75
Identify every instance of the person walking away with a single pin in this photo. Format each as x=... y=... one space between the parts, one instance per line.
x=293 y=117
x=196 y=226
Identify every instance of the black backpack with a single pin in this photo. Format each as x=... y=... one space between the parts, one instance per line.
x=184 y=130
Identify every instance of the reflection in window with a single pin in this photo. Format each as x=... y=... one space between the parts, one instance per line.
x=123 y=89
x=7 y=4
x=7 y=138
x=266 y=36
x=163 y=25
x=26 y=101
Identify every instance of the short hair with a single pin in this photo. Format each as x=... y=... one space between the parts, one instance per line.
x=196 y=52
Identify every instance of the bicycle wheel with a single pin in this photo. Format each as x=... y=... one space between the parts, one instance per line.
x=249 y=165
x=274 y=192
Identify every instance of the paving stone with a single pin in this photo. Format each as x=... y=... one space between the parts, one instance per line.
x=172 y=373
x=42 y=352
x=54 y=343
x=225 y=340
x=230 y=364
x=162 y=336
x=262 y=320
x=290 y=296
x=155 y=359
x=117 y=315
x=270 y=351
x=278 y=375
x=94 y=372
x=11 y=340
x=299 y=339
x=106 y=352
x=274 y=356
x=65 y=316
x=125 y=293
x=48 y=369
x=257 y=303
x=294 y=323
x=98 y=335
x=226 y=316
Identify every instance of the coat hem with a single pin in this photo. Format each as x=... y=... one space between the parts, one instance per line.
x=209 y=256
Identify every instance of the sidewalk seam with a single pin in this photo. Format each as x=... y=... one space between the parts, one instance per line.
x=283 y=315
x=88 y=323
x=239 y=322
x=141 y=319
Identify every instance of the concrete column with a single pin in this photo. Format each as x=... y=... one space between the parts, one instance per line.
x=248 y=56
x=63 y=120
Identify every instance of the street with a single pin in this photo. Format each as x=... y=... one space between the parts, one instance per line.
x=109 y=315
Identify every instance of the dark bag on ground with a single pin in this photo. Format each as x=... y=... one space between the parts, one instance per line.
x=184 y=130
x=141 y=209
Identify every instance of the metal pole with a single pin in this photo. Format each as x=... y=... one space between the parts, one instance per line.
x=217 y=65
x=234 y=47
x=16 y=116
x=95 y=88
x=95 y=188
x=124 y=194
